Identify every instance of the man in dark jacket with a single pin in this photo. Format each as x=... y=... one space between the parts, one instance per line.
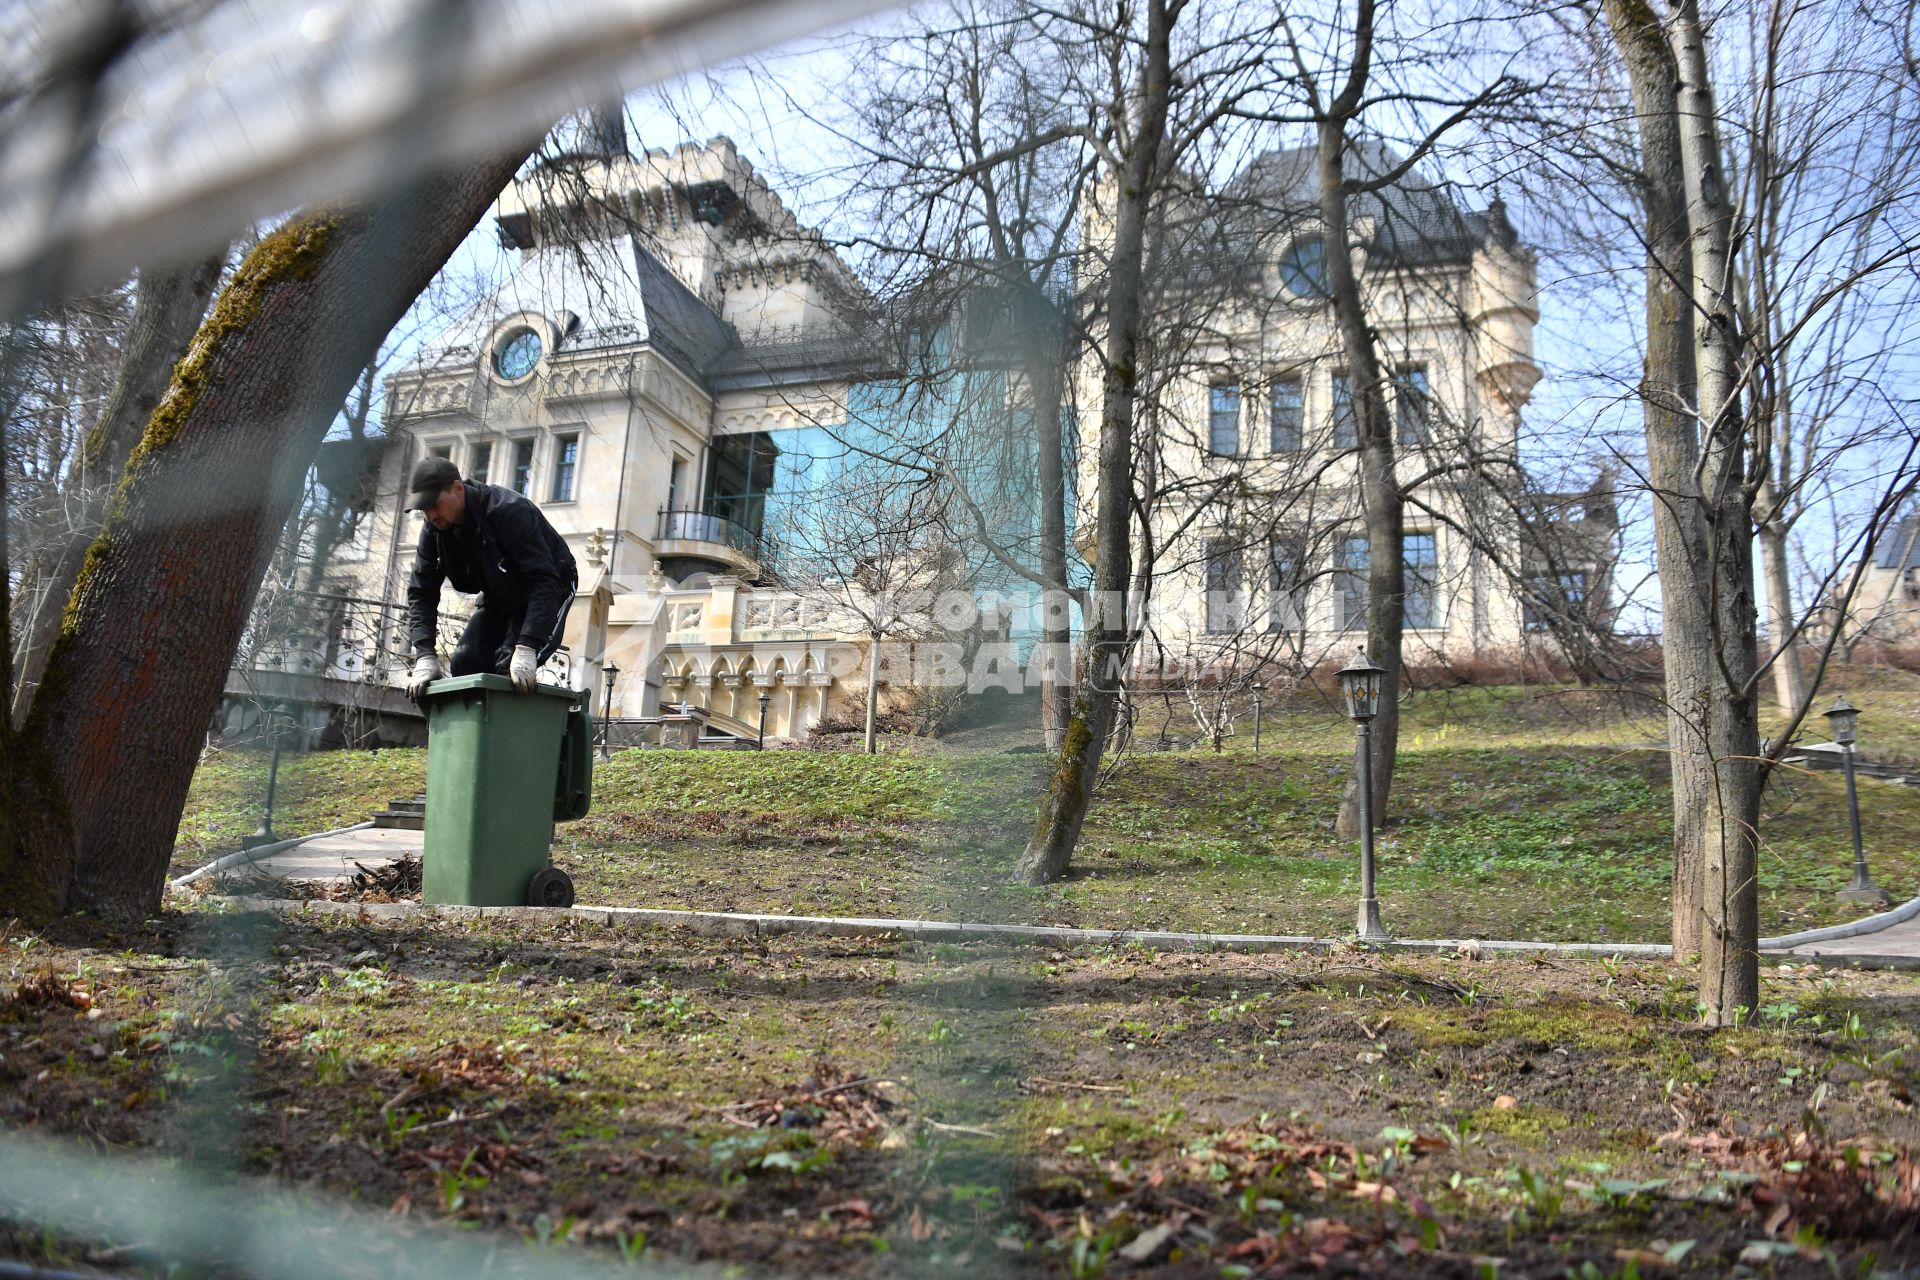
x=486 y=539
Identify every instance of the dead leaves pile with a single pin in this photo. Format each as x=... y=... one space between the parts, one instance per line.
x=46 y=990
x=396 y=881
x=1159 y=1207
x=1855 y=1189
x=475 y=1160
x=842 y=1110
x=482 y=1068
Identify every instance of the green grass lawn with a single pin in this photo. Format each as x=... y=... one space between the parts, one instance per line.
x=315 y=792
x=1518 y=813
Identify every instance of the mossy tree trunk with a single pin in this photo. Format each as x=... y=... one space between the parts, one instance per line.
x=1110 y=625
x=1667 y=396
x=115 y=728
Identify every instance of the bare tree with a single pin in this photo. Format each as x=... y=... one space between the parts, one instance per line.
x=868 y=549
x=1720 y=375
x=971 y=140
x=170 y=303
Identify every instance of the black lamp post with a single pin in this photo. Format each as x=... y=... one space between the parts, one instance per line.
x=1258 y=689
x=264 y=833
x=1844 y=717
x=1360 y=686
x=762 y=744
x=606 y=714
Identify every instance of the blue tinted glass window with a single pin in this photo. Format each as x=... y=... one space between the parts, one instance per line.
x=1223 y=419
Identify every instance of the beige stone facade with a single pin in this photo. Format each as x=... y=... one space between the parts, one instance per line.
x=1255 y=503
x=668 y=318
x=599 y=381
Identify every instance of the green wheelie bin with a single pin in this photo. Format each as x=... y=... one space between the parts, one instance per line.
x=502 y=768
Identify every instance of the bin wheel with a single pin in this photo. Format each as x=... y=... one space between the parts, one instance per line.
x=550 y=887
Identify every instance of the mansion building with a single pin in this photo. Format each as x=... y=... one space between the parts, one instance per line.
x=676 y=369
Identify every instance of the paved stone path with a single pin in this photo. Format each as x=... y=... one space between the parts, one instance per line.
x=332 y=858
x=1901 y=940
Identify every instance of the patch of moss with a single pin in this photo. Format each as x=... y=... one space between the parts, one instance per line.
x=1596 y=1027
x=1097 y=1127
x=1438 y=1028
x=1528 y=1125
x=292 y=252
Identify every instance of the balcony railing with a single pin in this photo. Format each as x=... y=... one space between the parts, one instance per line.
x=703 y=526
x=340 y=637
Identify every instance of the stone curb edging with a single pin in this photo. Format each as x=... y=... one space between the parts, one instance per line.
x=1865 y=924
x=246 y=857
x=719 y=924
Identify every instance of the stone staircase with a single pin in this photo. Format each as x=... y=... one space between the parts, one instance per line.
x=403 y=814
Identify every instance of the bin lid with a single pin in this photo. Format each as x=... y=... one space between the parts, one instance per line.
x=497 y=684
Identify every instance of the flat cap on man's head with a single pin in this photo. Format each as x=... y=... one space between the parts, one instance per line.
x=431 y=476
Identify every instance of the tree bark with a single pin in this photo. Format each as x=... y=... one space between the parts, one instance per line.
x=873 y=691
x=1789 y=680
x=1667 y=394
x=162 y=598
x=1110 y=624
x=1381 y=503
x=169 y=307
x=1044 y=378
x=1730 y=925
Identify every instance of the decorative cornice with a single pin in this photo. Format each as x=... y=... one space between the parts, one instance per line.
x=589 y=379
x=779 y=417
x=429 y=395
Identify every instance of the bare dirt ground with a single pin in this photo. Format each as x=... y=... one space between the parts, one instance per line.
x=877 y=1108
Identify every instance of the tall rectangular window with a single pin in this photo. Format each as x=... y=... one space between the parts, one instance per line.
x=1554 y=598
x=1350 y=562
x=441 y=451
x=1412 y=405
x=523 y=468
x=1286 y=588
x=479 y=460
x=741 y=471
x=1223 y=419
x=676 y=483
x=566 y=461
x=1422 y=571
x=1286 y=416
x=1346 y=427
x=1226 y=592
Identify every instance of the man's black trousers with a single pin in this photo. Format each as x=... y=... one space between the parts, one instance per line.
x=486 y=646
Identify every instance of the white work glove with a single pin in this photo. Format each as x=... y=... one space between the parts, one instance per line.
x=524 y=668
x=426 y=669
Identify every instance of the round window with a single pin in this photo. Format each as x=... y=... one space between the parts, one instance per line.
x=1303 y=267
x=515 y=358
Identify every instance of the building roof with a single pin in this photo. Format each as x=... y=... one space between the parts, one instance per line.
x=612 y=293
x=1416 y=220
x=1900 y=549
x=601 y=294
x=802 y=360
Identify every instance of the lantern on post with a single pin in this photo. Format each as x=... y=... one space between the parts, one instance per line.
x=1844 y=719
x=606 y=714
x=1360 y=688
x=275 y=721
